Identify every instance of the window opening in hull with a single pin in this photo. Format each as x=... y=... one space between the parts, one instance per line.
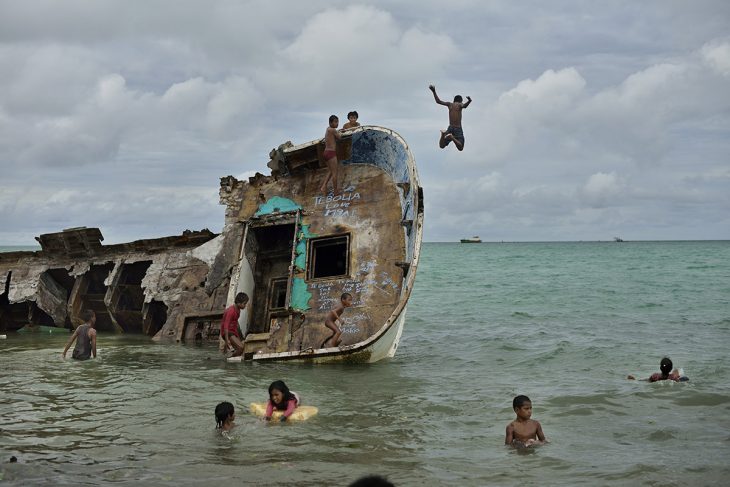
x=329 y=257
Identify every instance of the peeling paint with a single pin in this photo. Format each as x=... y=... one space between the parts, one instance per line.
x=189 y=279
x=277 y=204
x=300 y=261
x=300 y=296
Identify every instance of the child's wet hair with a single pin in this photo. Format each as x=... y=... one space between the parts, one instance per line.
x=666 y=366
x=458 y=99
x=519 y=401
x=285 y=392
x=87 y=315
x=333 y=118
x=222 y=411
x=353 y=114
x=345 y=295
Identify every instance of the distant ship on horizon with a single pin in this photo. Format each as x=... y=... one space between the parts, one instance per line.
x=474 y=239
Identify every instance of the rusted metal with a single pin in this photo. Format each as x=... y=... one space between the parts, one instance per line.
x=176 y=288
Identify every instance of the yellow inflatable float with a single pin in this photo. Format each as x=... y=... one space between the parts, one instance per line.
x=301 y=413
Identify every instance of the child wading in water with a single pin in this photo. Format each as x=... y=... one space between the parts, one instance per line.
x=665 y=366
x=281 y=399
x=331 y=135
x=523 y=431
x=85 y=336
x=332 y=320
x=224 y=416
x=230 y=336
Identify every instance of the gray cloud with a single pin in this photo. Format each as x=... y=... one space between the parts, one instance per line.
x=588 y=121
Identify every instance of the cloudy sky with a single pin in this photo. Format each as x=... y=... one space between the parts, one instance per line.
x=589 y=119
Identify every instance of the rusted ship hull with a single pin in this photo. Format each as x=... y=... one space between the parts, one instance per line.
x=291 y=248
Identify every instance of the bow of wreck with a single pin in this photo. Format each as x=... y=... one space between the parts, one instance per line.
x=293 y=249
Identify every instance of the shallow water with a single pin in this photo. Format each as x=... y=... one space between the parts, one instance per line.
x=563 y=323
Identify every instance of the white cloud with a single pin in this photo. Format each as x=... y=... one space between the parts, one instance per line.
x=584 y=118
x=344 y=54
x=602 y=189
x=717 y=55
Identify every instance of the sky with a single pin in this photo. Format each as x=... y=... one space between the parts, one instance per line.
x=589 y=120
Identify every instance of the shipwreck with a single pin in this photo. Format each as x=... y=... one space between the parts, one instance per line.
x=293 y=249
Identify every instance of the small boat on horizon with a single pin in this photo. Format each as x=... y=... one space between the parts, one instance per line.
x=474 y=239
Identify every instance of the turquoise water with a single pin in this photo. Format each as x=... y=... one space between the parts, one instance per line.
x=563 y=323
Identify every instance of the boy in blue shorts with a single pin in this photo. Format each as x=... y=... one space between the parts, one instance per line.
x=454 y=133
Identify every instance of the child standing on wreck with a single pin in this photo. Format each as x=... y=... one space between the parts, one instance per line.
x=230 y=336
x=281 y=399
x=332 y=320
x=331 y=135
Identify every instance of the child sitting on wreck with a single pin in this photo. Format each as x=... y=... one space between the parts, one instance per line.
x=225 y=416
x=281 y=399
x=351 y=121
x=524 y=432
x=666 y=373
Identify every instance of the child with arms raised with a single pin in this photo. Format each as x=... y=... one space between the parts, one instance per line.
x=523 y=431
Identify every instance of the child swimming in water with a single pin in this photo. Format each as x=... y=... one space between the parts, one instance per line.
x=523 y=431
x=666 y=373
x=224 y=416
x=281 y=399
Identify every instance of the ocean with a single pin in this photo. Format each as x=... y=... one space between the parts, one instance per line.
x=563 y=323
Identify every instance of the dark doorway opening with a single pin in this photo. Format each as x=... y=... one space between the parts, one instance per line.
x=91 y=296
x=273 y=253
x=154 y=315
x=126 y=299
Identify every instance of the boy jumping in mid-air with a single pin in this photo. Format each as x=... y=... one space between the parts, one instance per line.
x=331 y=136
x=332 y=320
x=454 y=132
x=523 y=431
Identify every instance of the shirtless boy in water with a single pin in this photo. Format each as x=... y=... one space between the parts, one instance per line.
x=331 y=136
x=523 y=431
x=332 y=320
x=454 y=133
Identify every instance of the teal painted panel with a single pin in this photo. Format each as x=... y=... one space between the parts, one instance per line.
x=300 y=296
x=300 y=261
x=277 y=204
